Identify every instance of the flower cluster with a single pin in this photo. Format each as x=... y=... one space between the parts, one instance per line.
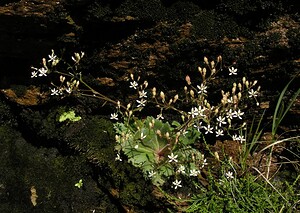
x=50 y=66
x=165 y=151
x=225 y=118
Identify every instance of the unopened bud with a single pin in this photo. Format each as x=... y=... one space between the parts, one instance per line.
x=244 y=80
x=162 y=95
x=146 y=84
x=247 y=84
x=239 y=95
x=158 y=132
x=240 y=86
x=206 y=60
x=128 y=106
x=170 y=101
x=153 y=92
x=44 y=63
x=219 y=59
x=200 y=70
x=62 y=78
x=212 y=64
x=185 y=89
x=204 y=72
x=192 y=93
x=217 y=156
x=213 y=71
x=188 y=80
x=175 y=98
x=131 y=76
x=167 y=135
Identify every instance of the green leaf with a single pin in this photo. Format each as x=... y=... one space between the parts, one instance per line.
x=70 y=115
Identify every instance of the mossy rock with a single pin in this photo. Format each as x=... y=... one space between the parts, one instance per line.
x=28 y=171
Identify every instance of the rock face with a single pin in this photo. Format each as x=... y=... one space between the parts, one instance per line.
x=161 y=41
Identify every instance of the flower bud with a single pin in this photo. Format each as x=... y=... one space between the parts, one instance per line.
x=62 y=78
x=162 y=95
x=175 y=98
x=240 y=86
x=192 y=93
x=239 y=95
x=244 y=80
x=153 y=92
x=185 y=89
x=204 y=72
x=167 y=135
x=217 y=156
x=44 y=63
x=206 y=60
x=128 y=106
x=188 y=80
x=247 y=84
x=219 y=59
x=146 y=84
x=200 y=70
x=212 y=64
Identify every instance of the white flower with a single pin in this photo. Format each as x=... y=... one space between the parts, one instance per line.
x=194 y=112
x=219 y=133
x=118 y=157
x=232 y=71
x=230 y=100
x=151 y=174
x=159 y=116
x=177 y=183
x=252 y=93
x=54 y=91
x=198 y=126
x=53 y=58
x=142 y=94
x=181 y=169
x=133 y=84
x=221 y=120
x=208 y=129
x=229 y=175
x=241 y=138
x=114 y=116
x=173 y=157
x=239 y=113
x=42 y=71
x=204 y=163
x=202 y=88
x=141 y=103
x=34 y=74
x=235 y=138
x=143 y=136
x=194 y=172
x=136 y=146
x=230 y=114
